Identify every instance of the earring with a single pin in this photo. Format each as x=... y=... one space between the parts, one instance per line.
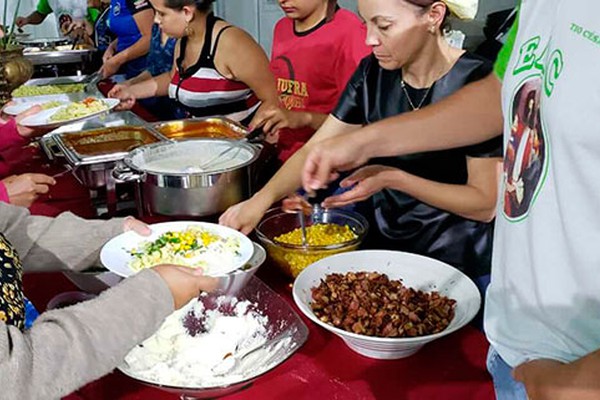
x=432 y=29
x=188 y=31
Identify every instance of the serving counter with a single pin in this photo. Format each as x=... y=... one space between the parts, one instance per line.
x=324 y=368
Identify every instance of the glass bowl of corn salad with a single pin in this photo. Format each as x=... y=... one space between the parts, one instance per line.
x=328 y=232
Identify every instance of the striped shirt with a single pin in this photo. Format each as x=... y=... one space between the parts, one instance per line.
x=204 y=92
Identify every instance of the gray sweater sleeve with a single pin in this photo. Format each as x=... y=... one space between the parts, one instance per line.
x=65 y=349
x=66 y=242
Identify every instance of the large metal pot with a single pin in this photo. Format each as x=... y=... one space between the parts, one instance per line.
x=169 y=182
x=15 y=70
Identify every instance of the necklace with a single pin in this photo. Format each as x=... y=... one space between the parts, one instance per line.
x=410 y=102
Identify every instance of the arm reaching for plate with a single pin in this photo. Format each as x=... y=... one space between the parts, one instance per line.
x=90 y=339
x=474 y=113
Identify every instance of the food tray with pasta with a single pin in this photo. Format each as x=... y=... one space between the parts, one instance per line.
x=45 y=90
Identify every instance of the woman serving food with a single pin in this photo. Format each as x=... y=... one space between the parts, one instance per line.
x=438 y=204
x=218 y=70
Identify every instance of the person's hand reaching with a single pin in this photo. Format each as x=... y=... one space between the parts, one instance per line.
x=139 y=227
x=185 y=283
x=24 y=189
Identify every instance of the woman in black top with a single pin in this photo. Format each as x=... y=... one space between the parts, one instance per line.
x=439 y=204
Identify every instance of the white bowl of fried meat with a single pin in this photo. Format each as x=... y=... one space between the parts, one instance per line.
x=386 y=304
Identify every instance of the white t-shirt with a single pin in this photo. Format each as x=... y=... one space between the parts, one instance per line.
x=65 y=11
x=544 y=298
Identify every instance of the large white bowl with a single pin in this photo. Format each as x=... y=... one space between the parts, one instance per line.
x=416 y=271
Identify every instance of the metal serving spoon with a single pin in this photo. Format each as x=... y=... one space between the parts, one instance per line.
x=314 y=199
x=252 y=137
x=231 y=361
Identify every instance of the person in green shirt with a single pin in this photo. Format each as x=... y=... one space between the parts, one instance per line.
x=66 y=11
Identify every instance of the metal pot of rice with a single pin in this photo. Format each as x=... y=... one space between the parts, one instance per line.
x=199 y=177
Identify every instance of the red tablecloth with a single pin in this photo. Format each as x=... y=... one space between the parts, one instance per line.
x=324 y=368
x=66 y=195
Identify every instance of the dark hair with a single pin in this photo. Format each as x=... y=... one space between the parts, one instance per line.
x=530 y=113
x=425 y=4
x=331 y=8
x=201 y=5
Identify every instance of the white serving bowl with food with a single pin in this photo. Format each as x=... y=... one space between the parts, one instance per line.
x=216 y=249
x=415 y=272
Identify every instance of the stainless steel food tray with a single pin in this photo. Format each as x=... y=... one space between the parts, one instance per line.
x=76 y=96
x=92 y=170
x=59 y=56
x=196 y=128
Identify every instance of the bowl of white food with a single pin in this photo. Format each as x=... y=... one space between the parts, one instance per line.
x=185 y=355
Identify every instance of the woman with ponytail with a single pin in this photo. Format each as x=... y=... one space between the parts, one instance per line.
x=218 y=69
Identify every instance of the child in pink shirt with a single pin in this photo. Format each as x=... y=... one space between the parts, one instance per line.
x=21 y=190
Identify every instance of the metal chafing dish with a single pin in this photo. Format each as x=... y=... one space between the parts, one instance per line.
x=59 y=56
x=55 y=50
x=215 y=127
x=169 y=182
x=91 y=148
x=65 y=80
x=44 y=42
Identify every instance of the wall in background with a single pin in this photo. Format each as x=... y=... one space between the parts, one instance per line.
x=474 y=29
x=259 y=16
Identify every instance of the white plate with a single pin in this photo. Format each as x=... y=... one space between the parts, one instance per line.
x=42 y=119
x=18 y=108
x=116 y=257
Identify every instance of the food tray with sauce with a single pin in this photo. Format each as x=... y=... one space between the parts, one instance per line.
x=92 y=148
x=107 y=141
x=219 y=128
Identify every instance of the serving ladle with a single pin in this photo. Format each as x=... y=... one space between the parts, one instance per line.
x=231 y=361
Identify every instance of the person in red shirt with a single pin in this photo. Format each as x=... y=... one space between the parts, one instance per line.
x=21 y=190
x=316 y=49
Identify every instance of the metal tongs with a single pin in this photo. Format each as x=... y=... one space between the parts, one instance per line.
x=314 y=199
x=91 y=81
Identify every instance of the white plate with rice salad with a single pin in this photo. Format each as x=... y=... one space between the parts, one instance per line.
x=18 y=108
x=71 y=112
x=216 y=249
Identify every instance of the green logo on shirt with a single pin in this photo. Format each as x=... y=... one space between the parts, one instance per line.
x=532 y=58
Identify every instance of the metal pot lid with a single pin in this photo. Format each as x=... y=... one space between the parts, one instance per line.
x=187 y=158
x=44 y=41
